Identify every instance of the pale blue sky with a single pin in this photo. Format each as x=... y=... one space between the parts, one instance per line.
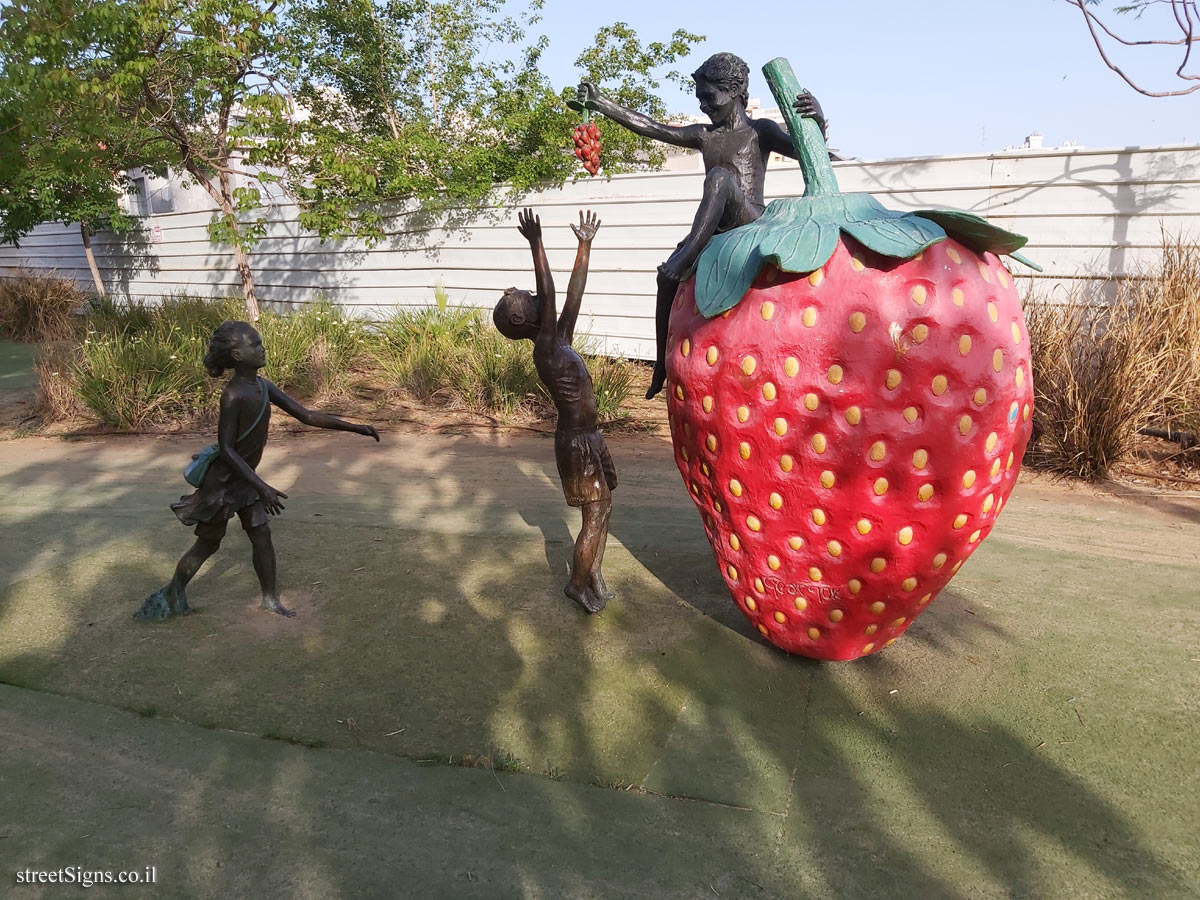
x=913 y=78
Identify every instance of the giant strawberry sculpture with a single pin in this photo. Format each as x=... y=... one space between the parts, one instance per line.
x=850 y=399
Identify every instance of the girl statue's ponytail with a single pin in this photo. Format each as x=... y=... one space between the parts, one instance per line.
x=220 y=347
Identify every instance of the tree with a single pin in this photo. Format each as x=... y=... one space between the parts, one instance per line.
x=193 y=75
x=60 y=161
x=1183 y=20
x=342 y=104
x=58 y=178
x=410 y=100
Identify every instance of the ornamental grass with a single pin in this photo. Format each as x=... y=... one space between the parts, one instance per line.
x=1106 y=369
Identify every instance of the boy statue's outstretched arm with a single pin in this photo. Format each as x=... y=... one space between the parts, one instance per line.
x=680 y=136
x=585 y=231
x=530 y=227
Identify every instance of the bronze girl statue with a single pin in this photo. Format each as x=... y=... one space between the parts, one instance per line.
x=224 y=474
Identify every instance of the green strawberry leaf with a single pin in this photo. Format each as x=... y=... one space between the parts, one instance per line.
x=902 y=236
x=1021 y=258
x=799 y=234
x=975 y=231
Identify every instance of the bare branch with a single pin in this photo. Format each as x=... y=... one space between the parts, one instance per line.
x=1187 y=26
x=1189 y=31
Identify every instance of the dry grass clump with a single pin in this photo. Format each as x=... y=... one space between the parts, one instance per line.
x=1178 y=287
x=55 y=367
x=1104 y=370
x=36 y=308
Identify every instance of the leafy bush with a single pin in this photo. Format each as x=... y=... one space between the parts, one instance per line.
x=615 y=381
x=133 y=379
x=439 y=325
x=38 y=308
x=313 y=351
x=142 y=365
x=498 y=376
x=455 y=357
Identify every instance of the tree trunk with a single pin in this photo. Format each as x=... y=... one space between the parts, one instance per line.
x=240 y=257
x=224 y=199
x=87 y=251
x=242 y=260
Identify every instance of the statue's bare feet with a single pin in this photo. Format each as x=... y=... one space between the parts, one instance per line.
x=678 y=267
x=657 y=380
x=585 y=597
x=272 y=604
x=599 y=587
x=162 y=604
x=154 y=608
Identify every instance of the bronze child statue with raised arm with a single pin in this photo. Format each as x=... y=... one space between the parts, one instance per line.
x=584 y=465
x=735 y=149
x=224 y=475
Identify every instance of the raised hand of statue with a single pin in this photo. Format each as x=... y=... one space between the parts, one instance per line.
x=530 y=226
x=806 y=105
x=588 y=95
x=587 y=228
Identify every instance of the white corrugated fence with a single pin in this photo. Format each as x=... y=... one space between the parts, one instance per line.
x=1088 y=214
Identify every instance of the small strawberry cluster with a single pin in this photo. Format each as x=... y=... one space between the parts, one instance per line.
x=587 y=146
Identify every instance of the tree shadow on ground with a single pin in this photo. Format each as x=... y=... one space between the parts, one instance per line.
x=432 y=627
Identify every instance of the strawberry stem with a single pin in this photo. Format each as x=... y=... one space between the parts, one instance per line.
x=811 y=151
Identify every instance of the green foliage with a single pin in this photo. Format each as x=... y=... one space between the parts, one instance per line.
x=413 y=101
x=313 y=351
x=49 y=174
x=132 y=380
x=617 y=63
x=455 y=357
x=181 y=82
x=452 y=357
x=614 y=381
x=141 y=365
x=61 y=156
x=343 y=104
x=497 y=375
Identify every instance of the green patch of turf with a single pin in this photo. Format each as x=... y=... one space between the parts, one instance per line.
x=16 y=366
x=1032 y=734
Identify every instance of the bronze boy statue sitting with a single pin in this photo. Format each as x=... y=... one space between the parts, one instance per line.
x=735 y=150
x=584 y=465
x=230 y=485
